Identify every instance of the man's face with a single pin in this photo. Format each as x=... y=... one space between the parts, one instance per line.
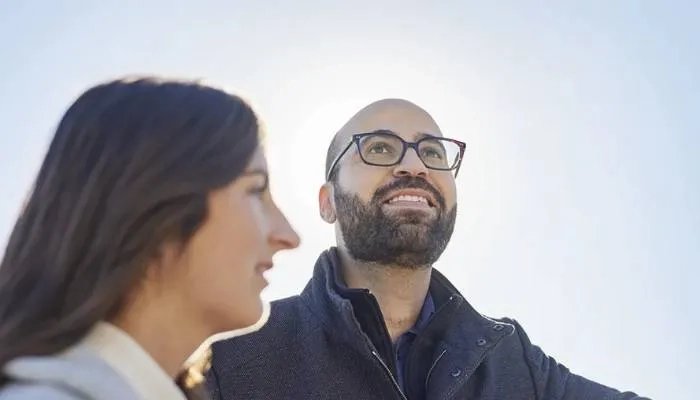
x=402 y=215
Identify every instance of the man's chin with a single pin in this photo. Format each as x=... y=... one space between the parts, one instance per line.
x=408 y=257
x=410 y=218
x=411 y=238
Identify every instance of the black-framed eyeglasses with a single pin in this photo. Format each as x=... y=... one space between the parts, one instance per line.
x=386 y=149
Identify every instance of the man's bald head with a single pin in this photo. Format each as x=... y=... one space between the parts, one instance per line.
x=381 y=114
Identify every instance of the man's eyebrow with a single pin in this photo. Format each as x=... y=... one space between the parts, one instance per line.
x=389 y=131
x=423 y=135
x=419 y=135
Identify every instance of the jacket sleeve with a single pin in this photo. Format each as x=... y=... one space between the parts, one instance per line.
x=554 y=381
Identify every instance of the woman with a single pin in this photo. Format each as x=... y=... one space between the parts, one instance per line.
x=148 y=229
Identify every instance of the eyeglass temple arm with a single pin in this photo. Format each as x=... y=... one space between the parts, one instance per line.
x=462 y=150
x=335 y=160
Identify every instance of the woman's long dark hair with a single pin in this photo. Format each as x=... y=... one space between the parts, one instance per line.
x=129 y=167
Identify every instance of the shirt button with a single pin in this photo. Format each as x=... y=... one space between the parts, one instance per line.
x=481 y=342
x=456 y=372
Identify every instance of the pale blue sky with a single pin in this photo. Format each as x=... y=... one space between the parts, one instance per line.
x=579 y=194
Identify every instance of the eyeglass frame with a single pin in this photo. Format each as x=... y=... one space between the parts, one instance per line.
x=406 y=145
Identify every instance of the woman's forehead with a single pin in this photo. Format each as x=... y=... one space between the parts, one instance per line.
x=258 y=162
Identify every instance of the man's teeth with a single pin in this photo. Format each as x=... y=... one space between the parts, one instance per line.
x=417 y=199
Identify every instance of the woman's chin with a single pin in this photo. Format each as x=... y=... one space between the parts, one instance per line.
x=256 y=322
x=264 y=315
x=252 y=324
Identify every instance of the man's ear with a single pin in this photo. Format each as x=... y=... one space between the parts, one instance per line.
x=326 y=206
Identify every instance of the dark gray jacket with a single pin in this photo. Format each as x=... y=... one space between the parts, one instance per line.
x=315 y=347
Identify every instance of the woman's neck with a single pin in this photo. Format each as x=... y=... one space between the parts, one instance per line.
x=165 y=333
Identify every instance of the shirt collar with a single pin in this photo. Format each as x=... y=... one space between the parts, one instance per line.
x=121 y=352
x=426 y=312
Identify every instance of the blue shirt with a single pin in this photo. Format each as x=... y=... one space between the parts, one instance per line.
x=403 y=344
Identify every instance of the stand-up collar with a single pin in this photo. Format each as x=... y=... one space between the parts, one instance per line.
x=447 y=351
x=106 y=357
x=336 y=311
x=322 y=297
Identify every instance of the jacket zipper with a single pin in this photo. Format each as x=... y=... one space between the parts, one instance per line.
x=391 y=376
x=432 y=367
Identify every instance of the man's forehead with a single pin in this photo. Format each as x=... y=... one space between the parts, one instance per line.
x=396 y=115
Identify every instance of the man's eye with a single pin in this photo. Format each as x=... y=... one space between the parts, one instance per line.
x=379 y=148
x=432 y=153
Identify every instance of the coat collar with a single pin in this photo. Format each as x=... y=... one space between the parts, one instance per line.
x=132 y=362
x=106 y=357
x=456 y=340
x=322 y=296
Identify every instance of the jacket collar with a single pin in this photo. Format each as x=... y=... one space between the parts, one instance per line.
x=131 y=361
x=323 y=296
x=106 y=357
x=456 y=339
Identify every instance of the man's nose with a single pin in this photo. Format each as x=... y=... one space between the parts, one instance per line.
x=411 y=165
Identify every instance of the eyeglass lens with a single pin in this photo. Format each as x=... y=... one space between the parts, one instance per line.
x=386 y=149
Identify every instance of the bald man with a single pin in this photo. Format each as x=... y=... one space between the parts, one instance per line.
x=376 y=321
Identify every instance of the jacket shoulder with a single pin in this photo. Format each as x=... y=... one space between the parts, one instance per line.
x=516 y=339
x=35 y=391
x=290 y=321
x=290 y=325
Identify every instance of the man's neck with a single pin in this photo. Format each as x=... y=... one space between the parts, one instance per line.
x=400 y=291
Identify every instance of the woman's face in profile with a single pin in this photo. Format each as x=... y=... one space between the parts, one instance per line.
x=226 y=258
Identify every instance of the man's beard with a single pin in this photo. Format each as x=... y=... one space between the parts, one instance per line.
x=409 y=240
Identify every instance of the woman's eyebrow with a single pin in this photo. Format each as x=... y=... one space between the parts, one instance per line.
x=255 y=171
x=259 y=172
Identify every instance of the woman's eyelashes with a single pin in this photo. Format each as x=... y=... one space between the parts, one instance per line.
x=260 y=188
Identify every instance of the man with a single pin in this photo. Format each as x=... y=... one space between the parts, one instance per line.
x=376 y=321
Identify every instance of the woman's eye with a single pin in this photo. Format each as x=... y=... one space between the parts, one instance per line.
x=261 y=187
x=258 y=190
